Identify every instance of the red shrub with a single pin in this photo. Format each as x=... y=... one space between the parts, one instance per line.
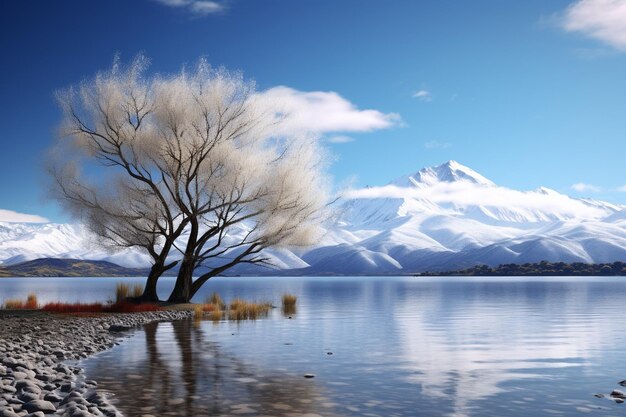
x=74 y=308
x=121 y=307
x=126 y=307
x=15 y=304
x=209 y=307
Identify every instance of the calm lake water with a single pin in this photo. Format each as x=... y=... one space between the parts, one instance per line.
x=401 y=346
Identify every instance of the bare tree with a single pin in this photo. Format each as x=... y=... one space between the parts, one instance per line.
x=189 y=168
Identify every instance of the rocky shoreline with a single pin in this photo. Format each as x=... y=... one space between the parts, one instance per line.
x=35 y=381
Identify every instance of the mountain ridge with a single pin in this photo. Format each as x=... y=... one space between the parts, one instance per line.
x=441 y=218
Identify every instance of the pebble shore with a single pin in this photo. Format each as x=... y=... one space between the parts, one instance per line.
x=36 y=381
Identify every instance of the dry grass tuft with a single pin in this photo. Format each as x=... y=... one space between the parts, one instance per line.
x=31 y=301
x=289 y=303
x=137 y=290
x=121 y=292
x=198 y=312
x=217 y=315
x=13 y=304
x=214 y=305
x=216 y=300
x=215 y=311
x=243 y=310
x=16 y=304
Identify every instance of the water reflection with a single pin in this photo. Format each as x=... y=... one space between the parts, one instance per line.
x=400 y=346
x=182 y=372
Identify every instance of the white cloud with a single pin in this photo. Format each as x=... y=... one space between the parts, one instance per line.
x=321 y=112
x=14 y=216
x=581 y=187
x=205 y=7
x=465 y=194
x=622 y=189
x=435 y=144
x=196 y=7
x=423 y=95
x=604 y=20
x=340 y=139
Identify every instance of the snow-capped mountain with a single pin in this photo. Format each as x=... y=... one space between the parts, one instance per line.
x=20 y=242
x=440 y=218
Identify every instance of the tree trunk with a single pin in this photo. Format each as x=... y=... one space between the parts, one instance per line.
x=182 y=290
x=150 y=291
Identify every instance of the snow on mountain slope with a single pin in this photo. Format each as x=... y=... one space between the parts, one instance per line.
x=21 y=242
x=449 y=216
x=439 y=218
x=451 y=171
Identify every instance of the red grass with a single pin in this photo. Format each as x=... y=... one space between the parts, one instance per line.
x=121 y=307
x=209 y=307
x=15 y=304
x=31 y=302
x=126 y=307
x=73 y=308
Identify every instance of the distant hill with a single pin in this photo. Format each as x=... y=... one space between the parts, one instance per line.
x=52 y=267
x=543 y=268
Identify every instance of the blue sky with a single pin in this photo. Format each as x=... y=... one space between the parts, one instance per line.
x=528 y=93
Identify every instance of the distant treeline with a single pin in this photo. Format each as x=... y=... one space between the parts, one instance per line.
x=542 y=268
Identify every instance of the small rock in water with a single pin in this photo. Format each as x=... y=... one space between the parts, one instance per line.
x=329 y=353
x=119 y=328
x=619 y=400
x=617 y=394
x=622 y=383
x=598 y=395
x=176 y=401
x=309 y=376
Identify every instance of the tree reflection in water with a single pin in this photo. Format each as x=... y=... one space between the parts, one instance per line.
x=185 y=374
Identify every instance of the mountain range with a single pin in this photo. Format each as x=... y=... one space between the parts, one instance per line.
x=439 y=218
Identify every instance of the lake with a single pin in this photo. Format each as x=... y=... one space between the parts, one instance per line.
x=378 y=346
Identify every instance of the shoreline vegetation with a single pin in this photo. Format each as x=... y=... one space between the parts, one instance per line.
x=542 y=268
x=126 y=297
x=36 y=341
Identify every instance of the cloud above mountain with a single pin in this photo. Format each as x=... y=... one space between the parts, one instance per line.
x=11 y=216
x=604 y=20
x=322 y=112
x=582 y=187
x=463 y=193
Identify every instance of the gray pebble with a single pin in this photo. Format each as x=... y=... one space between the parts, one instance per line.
x=40 y=405
x=34 y=380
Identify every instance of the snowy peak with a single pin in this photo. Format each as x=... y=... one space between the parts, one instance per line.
x=546 y=191
x=450 y=171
